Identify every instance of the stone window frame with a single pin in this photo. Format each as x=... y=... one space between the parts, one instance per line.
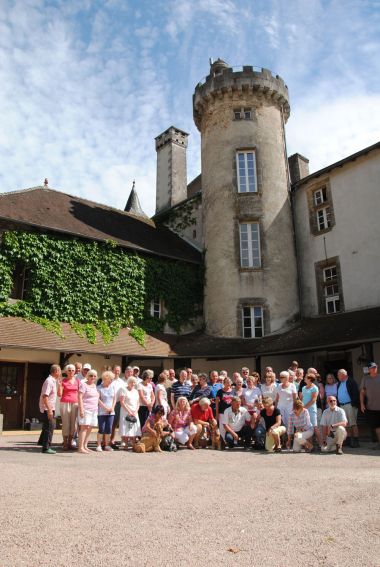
x=250 y=221
x=322 y=285
x=322 y=211
x=240 y=113
x=253 y=302
x=252 y=150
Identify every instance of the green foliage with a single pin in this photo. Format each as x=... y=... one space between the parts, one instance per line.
x=96 y=287
x=138 y=334
x=182 y=216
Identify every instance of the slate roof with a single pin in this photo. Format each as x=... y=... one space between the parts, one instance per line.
x=60 y=212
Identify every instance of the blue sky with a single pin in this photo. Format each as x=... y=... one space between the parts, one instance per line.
x=86 y=85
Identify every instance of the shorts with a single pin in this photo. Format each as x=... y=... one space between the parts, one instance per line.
x=105 y=424
x=373 y=417
x=90 y=418
x=351 y=414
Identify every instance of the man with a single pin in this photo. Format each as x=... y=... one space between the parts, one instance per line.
x=180 y=388
x=78 y=368
x=83 y=372
x=215 y=385
x=348 y=399
x=136 y=374
x=128 y=372
x=299 y=378
x=118 y=384
x=47 y=408
x=205 y=422
x=333 y=423
x=189 y=375
x=237 y=424
x=244 y=375
x=202 y=390
x=370 y=399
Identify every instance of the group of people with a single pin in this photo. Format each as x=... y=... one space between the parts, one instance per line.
x=197 y=410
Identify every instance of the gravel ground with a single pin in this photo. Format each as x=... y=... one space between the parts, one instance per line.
x=200 y=508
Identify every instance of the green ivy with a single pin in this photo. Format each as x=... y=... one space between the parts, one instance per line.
x=97 y=287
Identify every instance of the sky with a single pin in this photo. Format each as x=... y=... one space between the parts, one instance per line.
x=86 y=85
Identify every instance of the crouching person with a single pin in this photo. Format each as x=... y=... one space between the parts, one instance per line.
x=182 y=423
x=207 y=427
x=333 y=423
x=152 y=432
x=273 y=426
x=299 y=427
x=237 y=424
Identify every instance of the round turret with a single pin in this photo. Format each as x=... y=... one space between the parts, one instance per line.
x=251 y=274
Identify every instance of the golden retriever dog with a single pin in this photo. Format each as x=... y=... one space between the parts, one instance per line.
x=148 y=443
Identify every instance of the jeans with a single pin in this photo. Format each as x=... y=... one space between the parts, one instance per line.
x=245 y=433
x=48 y=426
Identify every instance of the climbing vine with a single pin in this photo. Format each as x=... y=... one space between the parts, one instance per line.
x=97 y=287
x=181 y=217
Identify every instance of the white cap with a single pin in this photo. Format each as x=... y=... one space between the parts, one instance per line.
x=87 y=366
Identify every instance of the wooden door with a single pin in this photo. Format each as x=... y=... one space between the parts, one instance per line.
x=11 y=393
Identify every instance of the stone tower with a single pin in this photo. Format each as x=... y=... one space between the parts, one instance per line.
x=251 y=272
x=171 y=178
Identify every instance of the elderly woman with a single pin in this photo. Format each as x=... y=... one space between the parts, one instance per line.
x=273 y=425
x=252 y=394
x=222 y=402
x=331 y=386
x=88 y=399
x=146 y=393
x=203 y=390
x=239 y=389
x=68 y=392
x=106 y=413
x=286 y=396
x=309 y=397
x=161 y=393
x=182 y=423
x=129 y=424
x=269 y=386
x=299 y=427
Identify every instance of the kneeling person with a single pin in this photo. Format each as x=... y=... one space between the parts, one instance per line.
x=273 y=425
x=237 y=424
x=334 y=423
x=300 y=426
x=152 y=432
x=205 y=423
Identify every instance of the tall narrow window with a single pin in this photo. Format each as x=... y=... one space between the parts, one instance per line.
x=331 y=290
x=21 y=276
x=324 y=218
x=155 y=308
x=246 y=171
x=250 y=256
x=253 y=322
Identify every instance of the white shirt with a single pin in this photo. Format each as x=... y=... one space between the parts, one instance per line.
x=118 y=384
x=333 y=416
x=236 y=420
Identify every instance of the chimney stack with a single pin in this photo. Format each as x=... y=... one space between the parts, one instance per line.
x=171 y=183
x=298 y=167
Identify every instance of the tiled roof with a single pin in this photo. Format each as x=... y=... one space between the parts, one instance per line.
x=59 y=212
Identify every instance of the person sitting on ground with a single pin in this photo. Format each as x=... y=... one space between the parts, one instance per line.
x=106 y=411
x=237 y=424
x=269 y=387
x=88 y=400
x=205 y=422
x=299 y=427
x=153 y=432
x=147 y=398
x=203 y=390
x=334 y=423
x=129 y=424
x=181 y=421
x=68 y=392
x=252 y=393
x=273 y=425
x=286 y=396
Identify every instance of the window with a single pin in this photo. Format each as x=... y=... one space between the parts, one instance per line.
x=247 y=114
x=246 y=171
x=253 y=322
x=237 y=114
x=324 y=218
x=331 y=290
x=320 y=196
x=155 y=308
x=321 y=210
x=250 y=256
x=21 y=276
x=242 y=113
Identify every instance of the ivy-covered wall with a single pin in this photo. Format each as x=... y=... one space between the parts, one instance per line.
x=96 y=286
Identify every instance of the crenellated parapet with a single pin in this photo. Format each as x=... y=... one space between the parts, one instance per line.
x=235 y=83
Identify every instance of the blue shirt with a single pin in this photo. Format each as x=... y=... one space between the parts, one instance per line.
x=215 y=388
x=343 y=395
x=307 y=394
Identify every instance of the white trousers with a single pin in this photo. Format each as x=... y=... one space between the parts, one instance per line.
x=183 y=435
x=300 y=439
x=339 y=437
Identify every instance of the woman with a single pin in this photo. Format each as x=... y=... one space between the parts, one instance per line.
x=299 y=427
x=222 y=402
x=252 y=394
x=331 y=387
x=129 y=424
x=320 y=398
x=68 y=392
x=239 y=390
x=106 y=412
x=286 y=396
x=153 y=432
x=309 y=397
x=182 y=423
x=162 y=394
x=273 y=425
x=194 y=386
x=145 y=390
x=269 y=388
x=88 y=399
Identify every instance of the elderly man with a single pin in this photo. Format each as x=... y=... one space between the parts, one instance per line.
x=205 y=422
x=81 y=375
x=180 y=388
x=237 y=424
x=348 y=399
x=47 y=408
x=333 y=423
x=370 y=399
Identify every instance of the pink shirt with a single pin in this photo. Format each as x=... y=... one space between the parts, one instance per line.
x=49 y=389
x=70 y=391
x=90 y=396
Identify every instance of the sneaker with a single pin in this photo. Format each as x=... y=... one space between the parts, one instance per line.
x=49 y=451
x=108 y=448
x=99 y=449
x=114 y=447
x=73 y=444
x=339 y=450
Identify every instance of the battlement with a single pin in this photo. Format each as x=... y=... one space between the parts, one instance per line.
x=172 y=135
x=225 y=81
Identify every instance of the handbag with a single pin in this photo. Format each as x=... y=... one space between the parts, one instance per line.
x=131 y=418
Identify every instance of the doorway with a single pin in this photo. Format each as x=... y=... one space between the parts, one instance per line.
x=12 y=375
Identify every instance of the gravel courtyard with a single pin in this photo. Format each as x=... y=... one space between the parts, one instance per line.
x=191 y=509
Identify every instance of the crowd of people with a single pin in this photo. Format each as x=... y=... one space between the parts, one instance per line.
x=298 y=410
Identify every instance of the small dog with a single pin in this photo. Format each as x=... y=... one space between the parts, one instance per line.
x=148 y=443
x=215 y=438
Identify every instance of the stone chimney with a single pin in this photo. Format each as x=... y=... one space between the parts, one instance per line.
x=298 y=167
x=171 y=183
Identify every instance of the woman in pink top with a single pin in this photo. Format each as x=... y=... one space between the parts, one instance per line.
x=182 y=423
x=88 y=409
x=68 y=392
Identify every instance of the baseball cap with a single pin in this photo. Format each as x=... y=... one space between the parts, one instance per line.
x=87 y=366
x=372 y=365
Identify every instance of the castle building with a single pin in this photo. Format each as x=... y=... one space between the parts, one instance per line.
x=290 y=258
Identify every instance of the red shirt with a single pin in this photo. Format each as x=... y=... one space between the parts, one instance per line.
x=198 y=413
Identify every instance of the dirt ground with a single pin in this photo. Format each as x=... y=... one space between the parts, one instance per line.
x=189 y=509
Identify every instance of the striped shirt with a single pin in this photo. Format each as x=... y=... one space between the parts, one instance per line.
x=299 y=422
x=181 y=389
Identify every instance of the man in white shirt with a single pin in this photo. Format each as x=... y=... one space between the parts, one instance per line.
x=118 y=384
x=333 y=423
x=237 y=424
